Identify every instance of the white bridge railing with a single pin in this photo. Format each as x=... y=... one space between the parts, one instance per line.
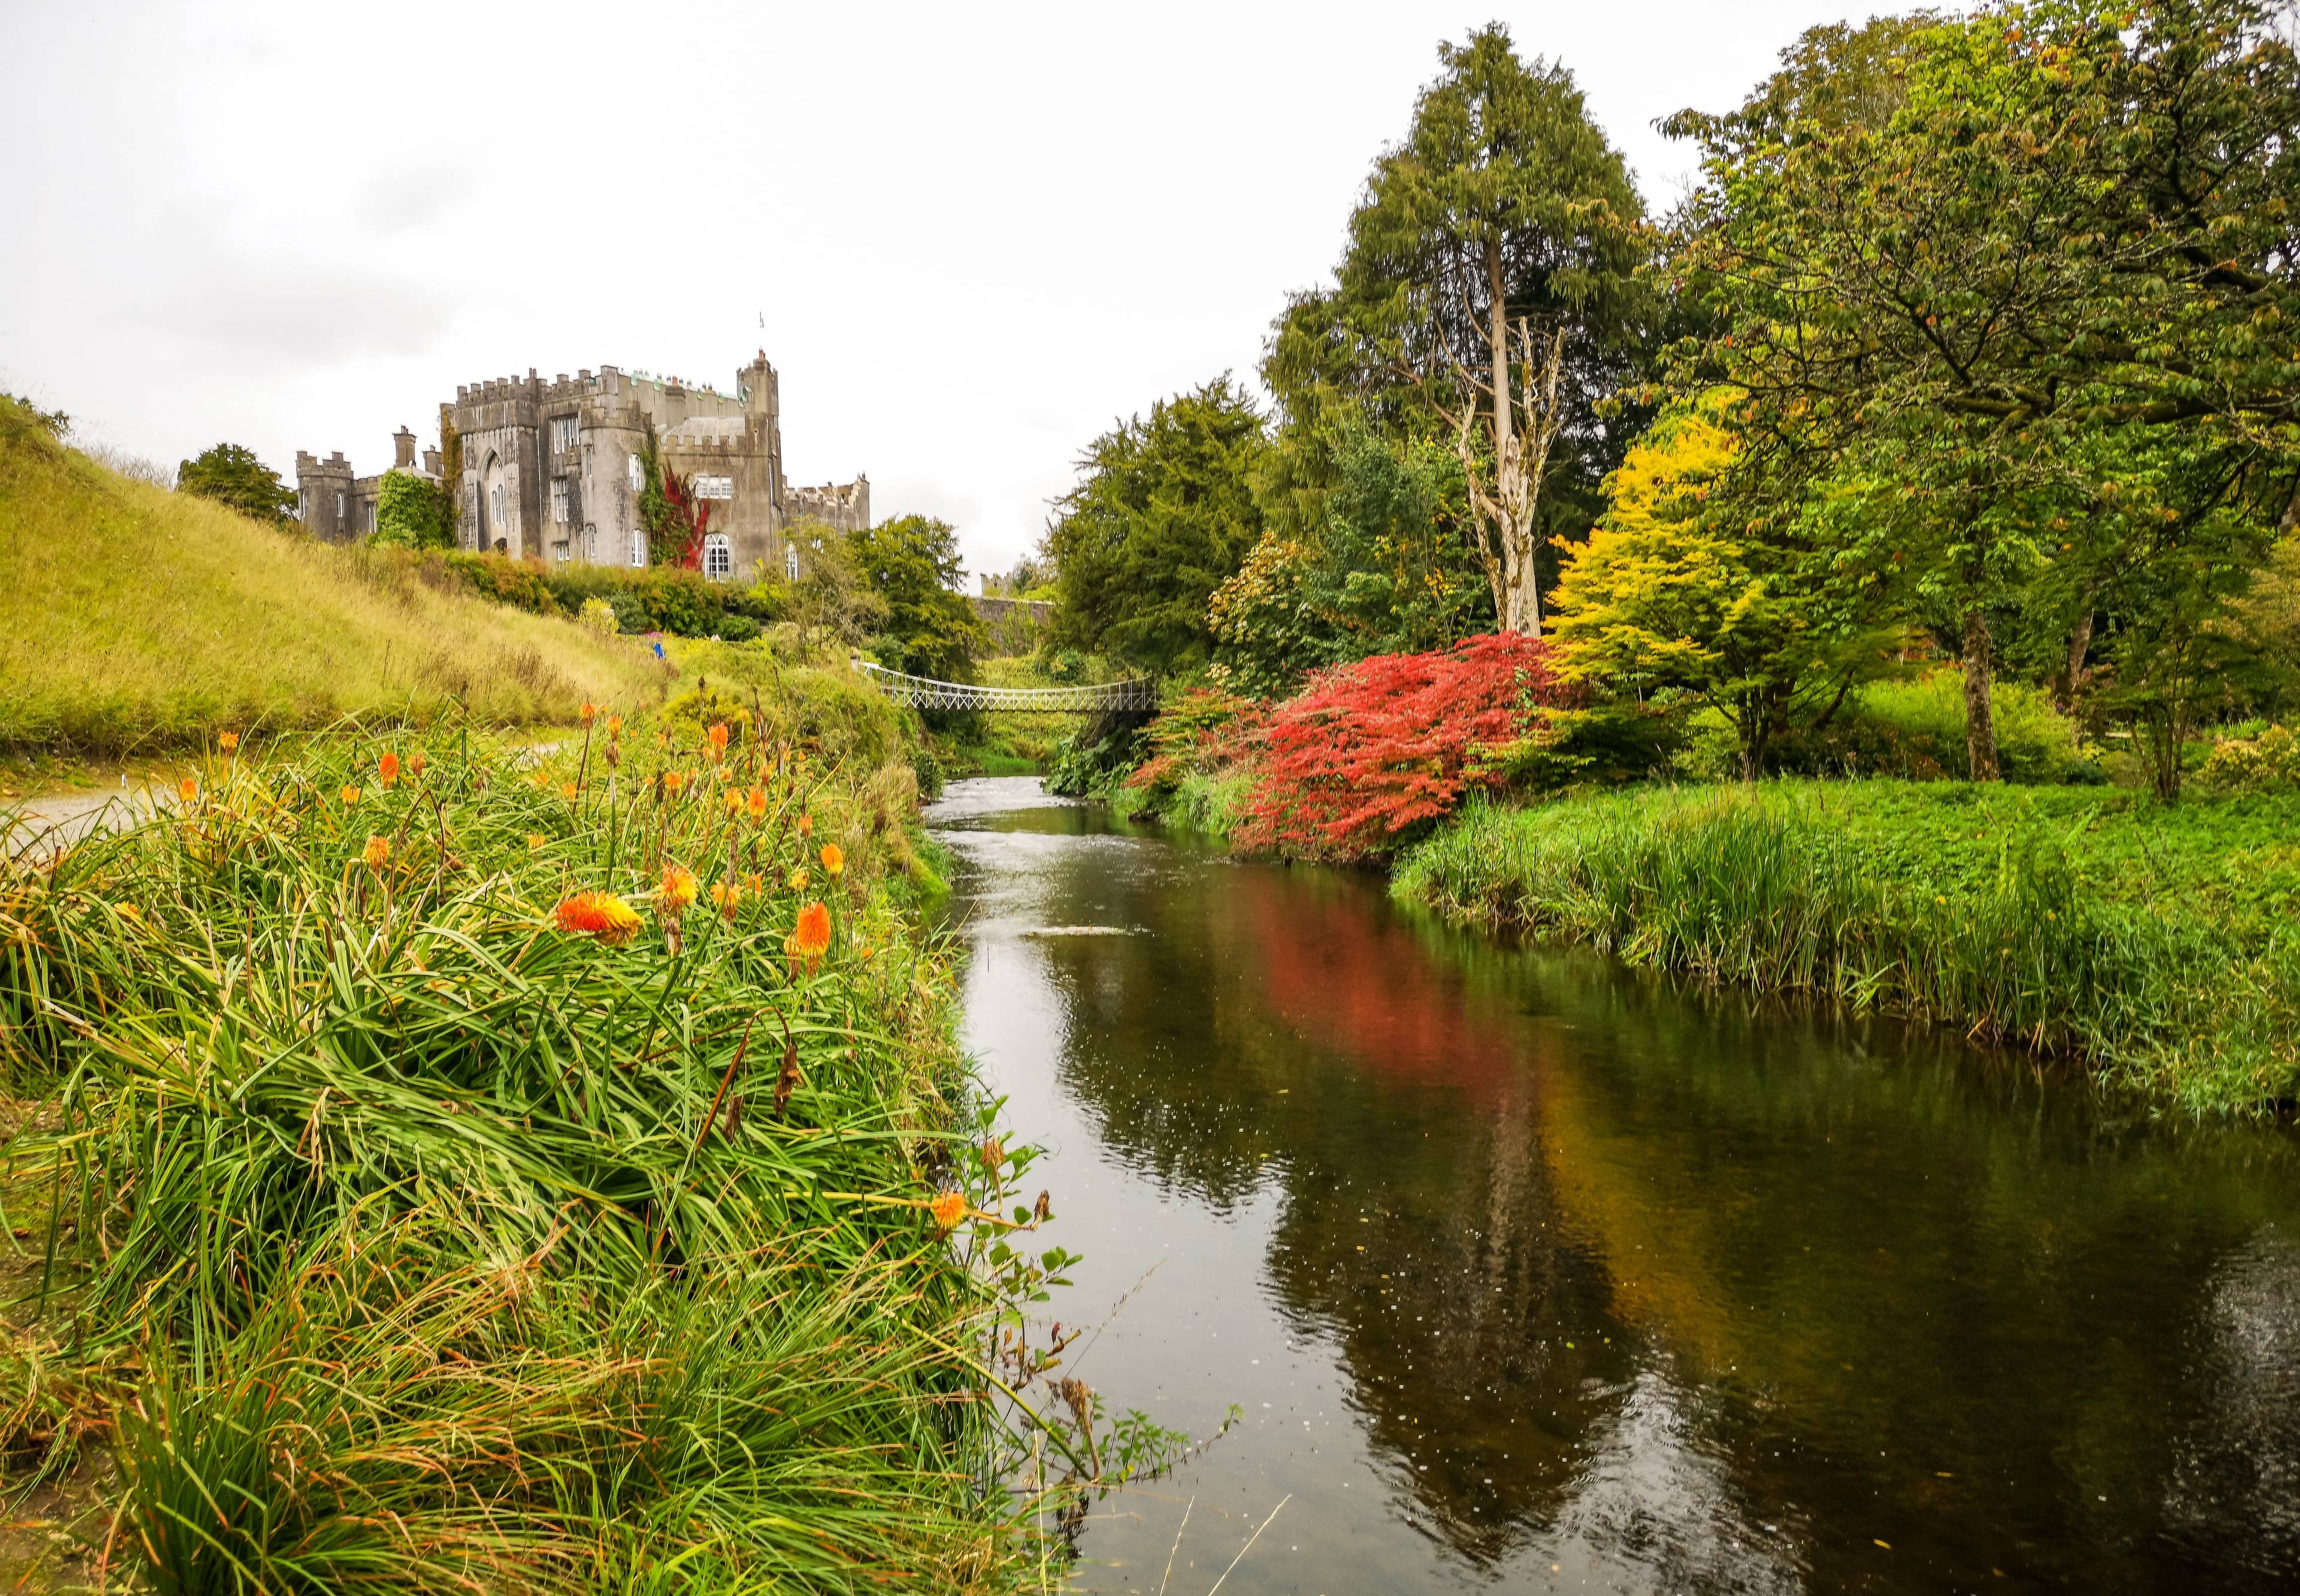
x=925 y=693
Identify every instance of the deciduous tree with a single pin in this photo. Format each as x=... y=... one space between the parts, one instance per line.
x=1162 y=515
x=232 y=475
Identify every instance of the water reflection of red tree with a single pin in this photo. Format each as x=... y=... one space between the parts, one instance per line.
x=1346 y=973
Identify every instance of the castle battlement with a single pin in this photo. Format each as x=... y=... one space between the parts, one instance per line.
x=554 y=469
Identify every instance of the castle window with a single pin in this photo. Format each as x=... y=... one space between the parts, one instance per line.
x=559 y=499
x=790 y=560
x=590 y=544
x=562 y=433
x=714 y=488
x=495 y=505
x=339 y=509
x=638 y=475
x=718 y=561
x=638 y=546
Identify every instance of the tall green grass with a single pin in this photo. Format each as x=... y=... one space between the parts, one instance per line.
x=135 y=618
x=404 y=1239
x=2156 y=944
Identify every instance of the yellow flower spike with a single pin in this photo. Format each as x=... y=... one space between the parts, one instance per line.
x=834 y=859
x=567 y=791
x=614 y=725
x=677 y=889
x=188 y=789
x=948 y=1209
x=534 y=841
x=227 y=741
x=377 y=853
x=734 y=803
x=797 y=881
x=350 y=796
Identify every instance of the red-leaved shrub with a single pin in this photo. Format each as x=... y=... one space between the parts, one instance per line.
x=1370 y=750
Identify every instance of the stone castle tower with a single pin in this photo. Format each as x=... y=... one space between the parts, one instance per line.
x=550 y=470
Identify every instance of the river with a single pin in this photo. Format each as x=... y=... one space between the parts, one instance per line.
x=1528 y=1272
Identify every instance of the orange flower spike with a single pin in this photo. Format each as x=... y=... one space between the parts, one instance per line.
x=589 y=712
x=600 y=915
x=227 y=741
x=734 y=803
x=350 y=796
x=188 y=789
x=806 y=826
x=678 y=890
x=758 y=804
x=811 y=937
x=614 y=725
x=674 y=782
x=727 y=897
x=834 y=859
x=567 y=791
x=948 y=1209
x=416 y=762
x=377 y=853
x=386 y=769
x=754 y=884
x=718 y=741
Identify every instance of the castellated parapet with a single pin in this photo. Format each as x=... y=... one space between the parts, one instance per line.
x=550 y=470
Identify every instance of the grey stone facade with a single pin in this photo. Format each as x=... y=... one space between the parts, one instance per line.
x=550 y=471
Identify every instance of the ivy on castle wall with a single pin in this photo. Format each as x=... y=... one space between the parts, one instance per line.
x=414 y=512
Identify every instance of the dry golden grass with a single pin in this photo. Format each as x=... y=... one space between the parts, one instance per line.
x=131 y=616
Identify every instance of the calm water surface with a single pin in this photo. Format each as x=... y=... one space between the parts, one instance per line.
x=1533 y=1273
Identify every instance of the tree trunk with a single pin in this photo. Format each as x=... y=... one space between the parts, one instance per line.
x=1979 y=716
x=2079 y=641
x=1517 y=604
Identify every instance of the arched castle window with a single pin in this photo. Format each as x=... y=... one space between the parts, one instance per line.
x=717 y=560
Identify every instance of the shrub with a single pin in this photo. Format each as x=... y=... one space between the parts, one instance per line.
x=2266 y=763
x=599 y=615
x=1374 y=751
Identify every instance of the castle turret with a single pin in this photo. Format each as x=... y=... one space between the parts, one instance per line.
x=402 y=450
x=324 y=487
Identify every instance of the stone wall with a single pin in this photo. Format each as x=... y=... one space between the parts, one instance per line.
x=1015 y=625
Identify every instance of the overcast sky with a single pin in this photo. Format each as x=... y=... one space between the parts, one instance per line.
x=968 y=236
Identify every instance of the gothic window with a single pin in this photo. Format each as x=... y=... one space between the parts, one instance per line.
x=559 y=498
x=590 y=544
x=638 y=546
x=714 y=488
x=718 y=561
x=495 y=505
x=339 y=509
x=790 y=560
x=638 y=475
x=562 y=433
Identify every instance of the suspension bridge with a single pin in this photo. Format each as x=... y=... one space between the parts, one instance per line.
x=925 y=693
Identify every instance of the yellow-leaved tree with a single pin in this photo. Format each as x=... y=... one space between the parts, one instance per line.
x=1699 y=589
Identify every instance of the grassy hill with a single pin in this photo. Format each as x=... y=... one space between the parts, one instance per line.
x=134 y=618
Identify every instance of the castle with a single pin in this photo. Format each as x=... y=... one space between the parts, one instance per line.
x=550 y=471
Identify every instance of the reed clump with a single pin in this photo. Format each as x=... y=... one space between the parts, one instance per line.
x=406 y=1215
x=2158 y=945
